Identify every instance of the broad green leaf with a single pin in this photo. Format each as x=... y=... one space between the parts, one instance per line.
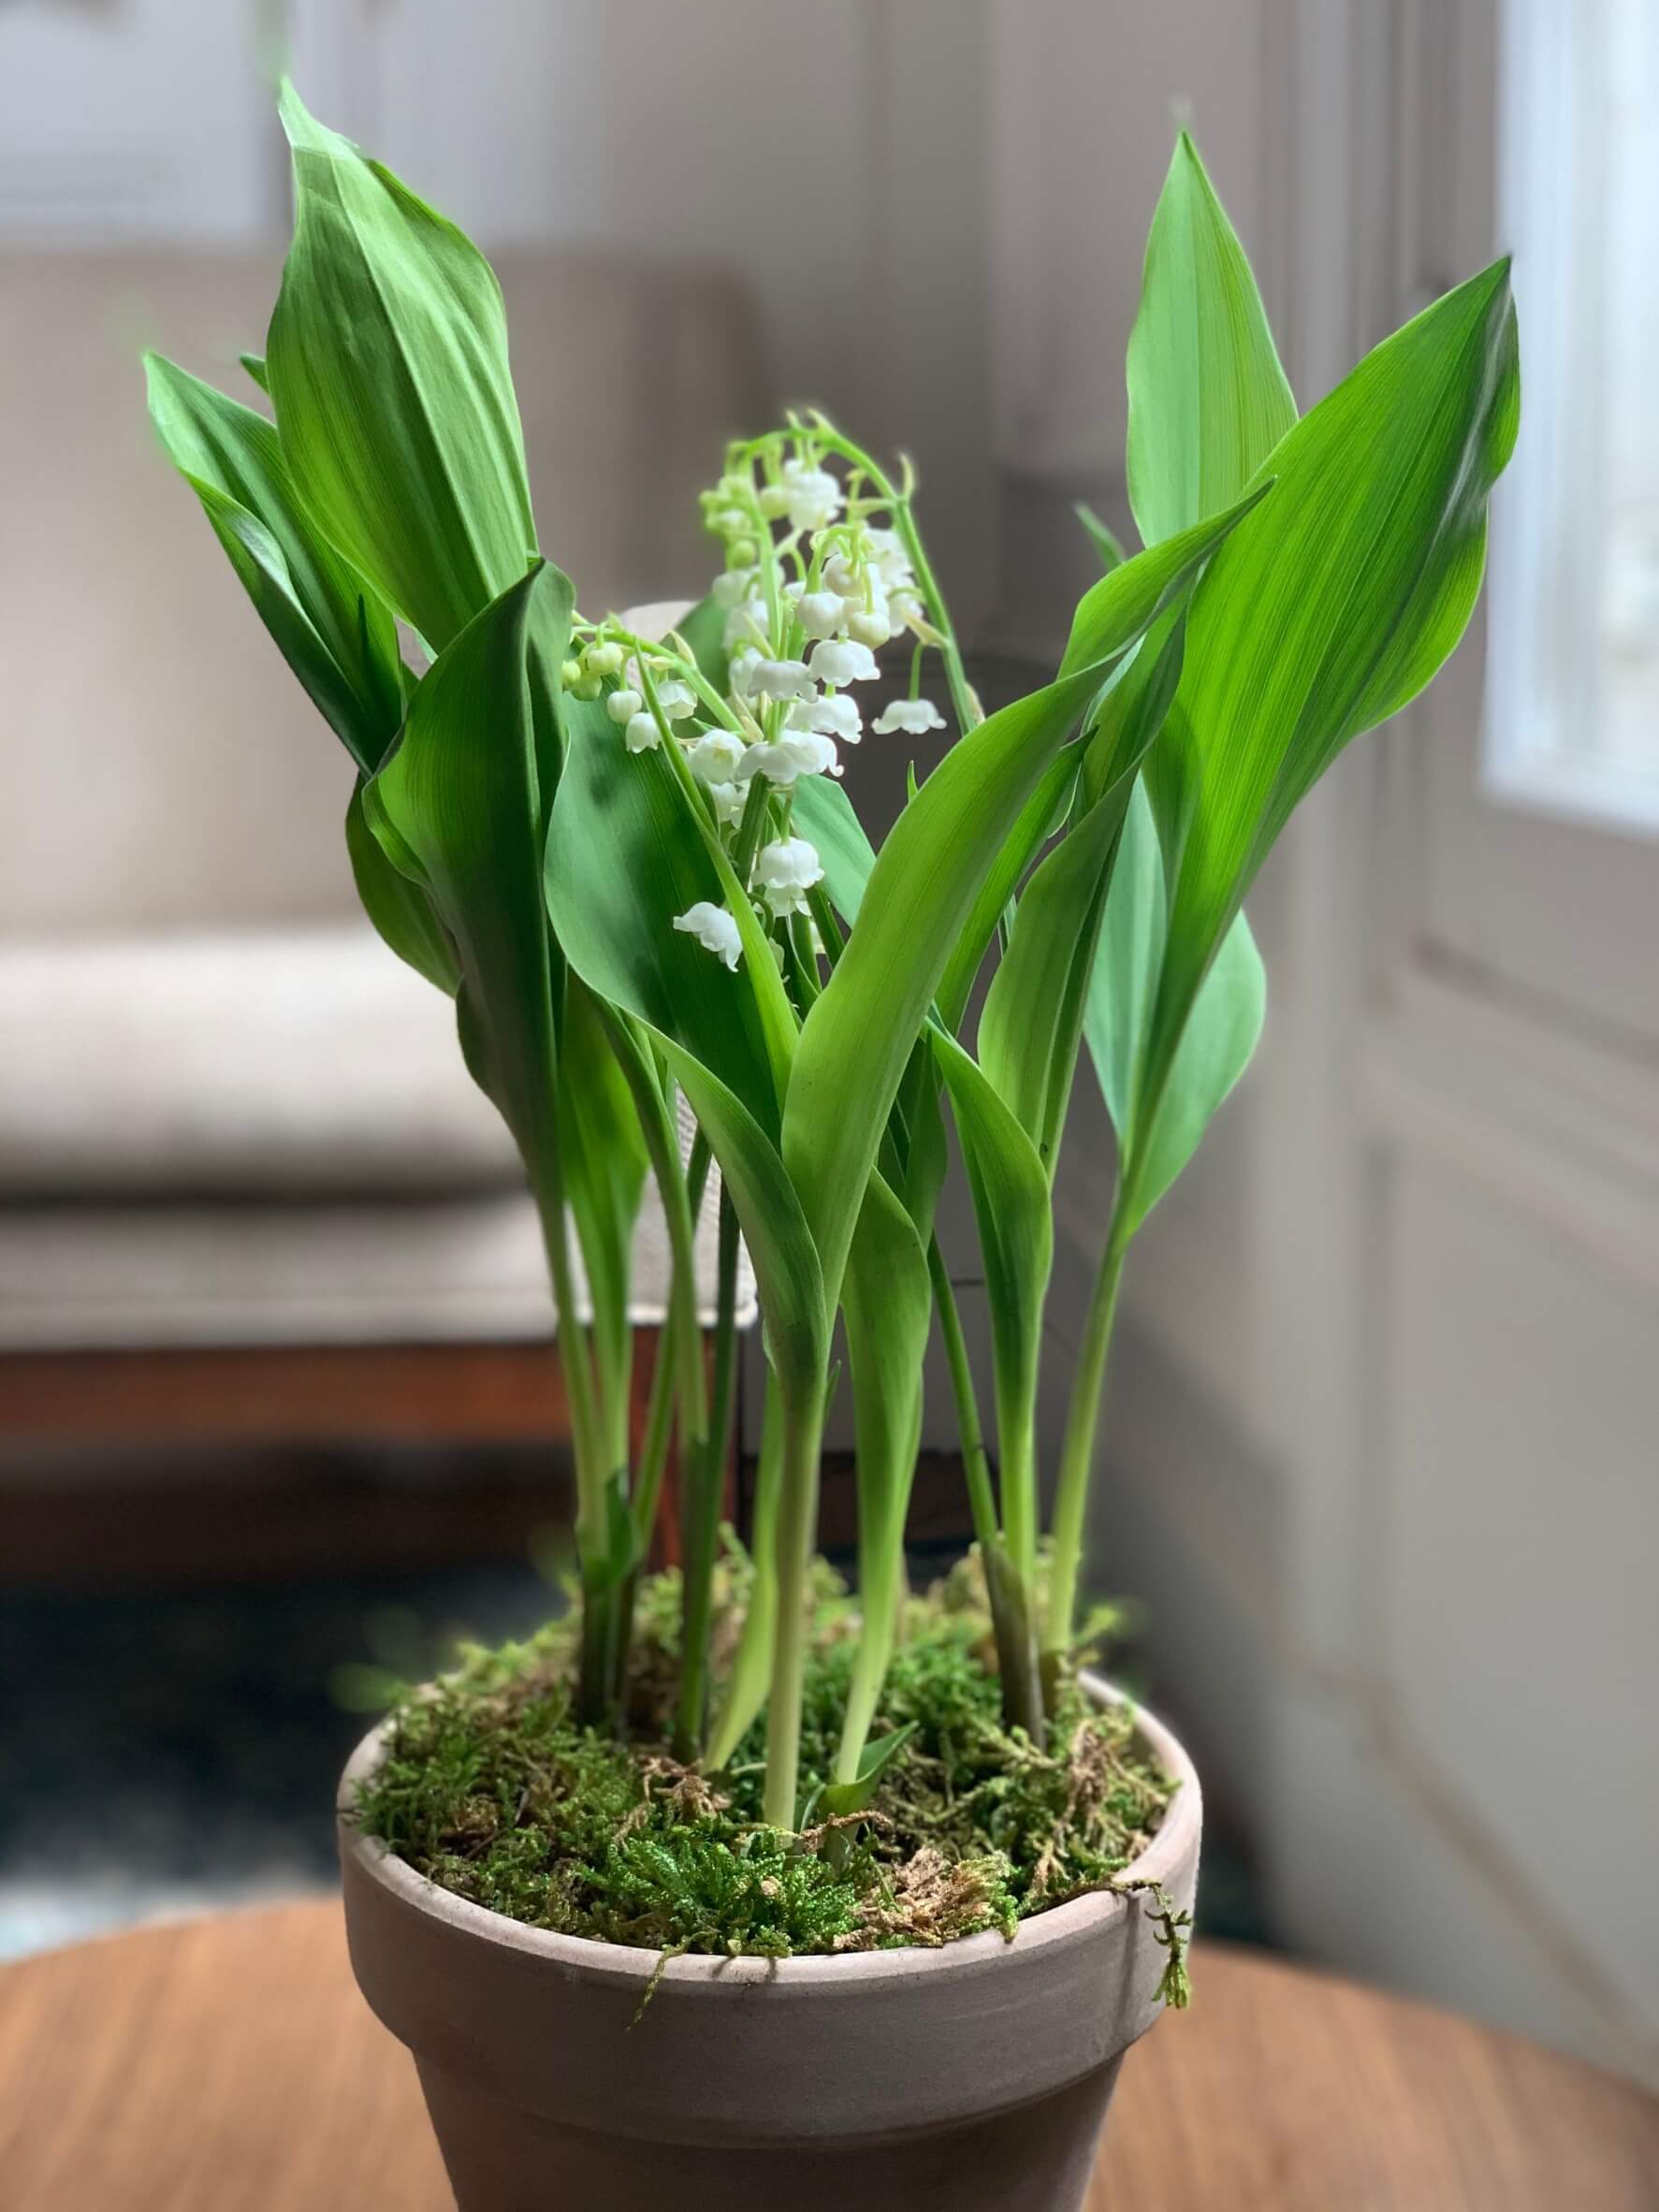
x=388 y=365
x=787 y=1276
x=1032 y=1025
x=1113 y=614
x=400 y=909
x=1328 y=609
x=855 y=1041
x=1105 y=541
x=1220 y=1035
x=1034 y=826
x=1208 y=400
x=823 y=814
x=704 y=630
x=603 y=1167
x=887 y=1299
x=624 y=857
x=1010 y=1189
x=459 y=807
x=335 y=633
x=660 y=1131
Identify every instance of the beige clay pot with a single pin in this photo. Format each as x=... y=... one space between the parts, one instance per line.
x=973 y=2077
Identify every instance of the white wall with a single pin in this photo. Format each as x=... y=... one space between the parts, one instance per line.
x=1380 y=1446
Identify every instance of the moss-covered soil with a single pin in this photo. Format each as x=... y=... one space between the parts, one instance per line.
x=490 y=1790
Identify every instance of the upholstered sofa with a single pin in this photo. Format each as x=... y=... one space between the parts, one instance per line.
x=228 y=1118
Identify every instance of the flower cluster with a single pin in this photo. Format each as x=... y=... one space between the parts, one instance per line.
x=817 y=580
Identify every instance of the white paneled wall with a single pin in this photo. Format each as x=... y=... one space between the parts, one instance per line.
x=1381 y=1427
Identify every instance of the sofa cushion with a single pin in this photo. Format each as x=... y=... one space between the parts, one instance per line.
x=297 y=1061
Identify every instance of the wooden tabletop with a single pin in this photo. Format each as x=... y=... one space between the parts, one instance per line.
x=228 y=2065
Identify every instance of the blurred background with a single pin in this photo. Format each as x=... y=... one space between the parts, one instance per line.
x=278 y=1411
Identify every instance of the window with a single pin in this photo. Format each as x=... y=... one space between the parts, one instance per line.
x=1572 y=705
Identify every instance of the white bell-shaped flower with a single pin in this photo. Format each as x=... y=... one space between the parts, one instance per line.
x=727 y=801
x=623 y=705
x=714 y=757
x=677 y=699
x=602 y=660
x=779 y=679
x=843 y=575
x=813 y=498
x=839 y=661
x=745 y=659
x=785 y=871
x=793 y=755
x=836 y=718
x=733 y=588
x=871 y=625
x=713 y=929
x=642 y=734
x=822 y=614
x=914 y=716
x=886 y=550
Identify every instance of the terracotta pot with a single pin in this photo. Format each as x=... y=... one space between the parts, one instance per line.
x=975 y=2077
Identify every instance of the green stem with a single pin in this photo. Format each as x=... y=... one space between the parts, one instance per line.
x=588 y=1438
x=1077 y=1451
x=751 y=1670
x=701 y=1502
x=976 y=1464
x=797 y=1522
x=897 y=501
x=748 y=840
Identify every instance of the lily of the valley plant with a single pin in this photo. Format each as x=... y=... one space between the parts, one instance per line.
x=631 y=861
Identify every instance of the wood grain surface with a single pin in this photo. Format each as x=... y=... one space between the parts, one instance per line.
x=228 y=2065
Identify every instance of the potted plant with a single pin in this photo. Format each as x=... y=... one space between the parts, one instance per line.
x=733 y=1883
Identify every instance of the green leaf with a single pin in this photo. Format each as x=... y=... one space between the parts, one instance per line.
x=254 y=365
x=1032 y=1023
x=1010 y=1189
x=387 y=364
x=625 y=855
x=887 y=1299
x=1208 y=400
x=1034 y=826
x=856 y=1039
x=602 y=1167
x=334 y=633
x=704 y=631
x=787 y=1276
x=823 y=814
x=1326 y=610
x=1215 y=1048
x=1113 y=614
x=836 y=1799
x=459 y=807
x=400 y=909
x=1106 y=541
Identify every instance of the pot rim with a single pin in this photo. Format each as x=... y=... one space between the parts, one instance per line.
x=590 y=1960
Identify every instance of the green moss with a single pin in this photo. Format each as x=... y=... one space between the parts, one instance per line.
x=491 y=1789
